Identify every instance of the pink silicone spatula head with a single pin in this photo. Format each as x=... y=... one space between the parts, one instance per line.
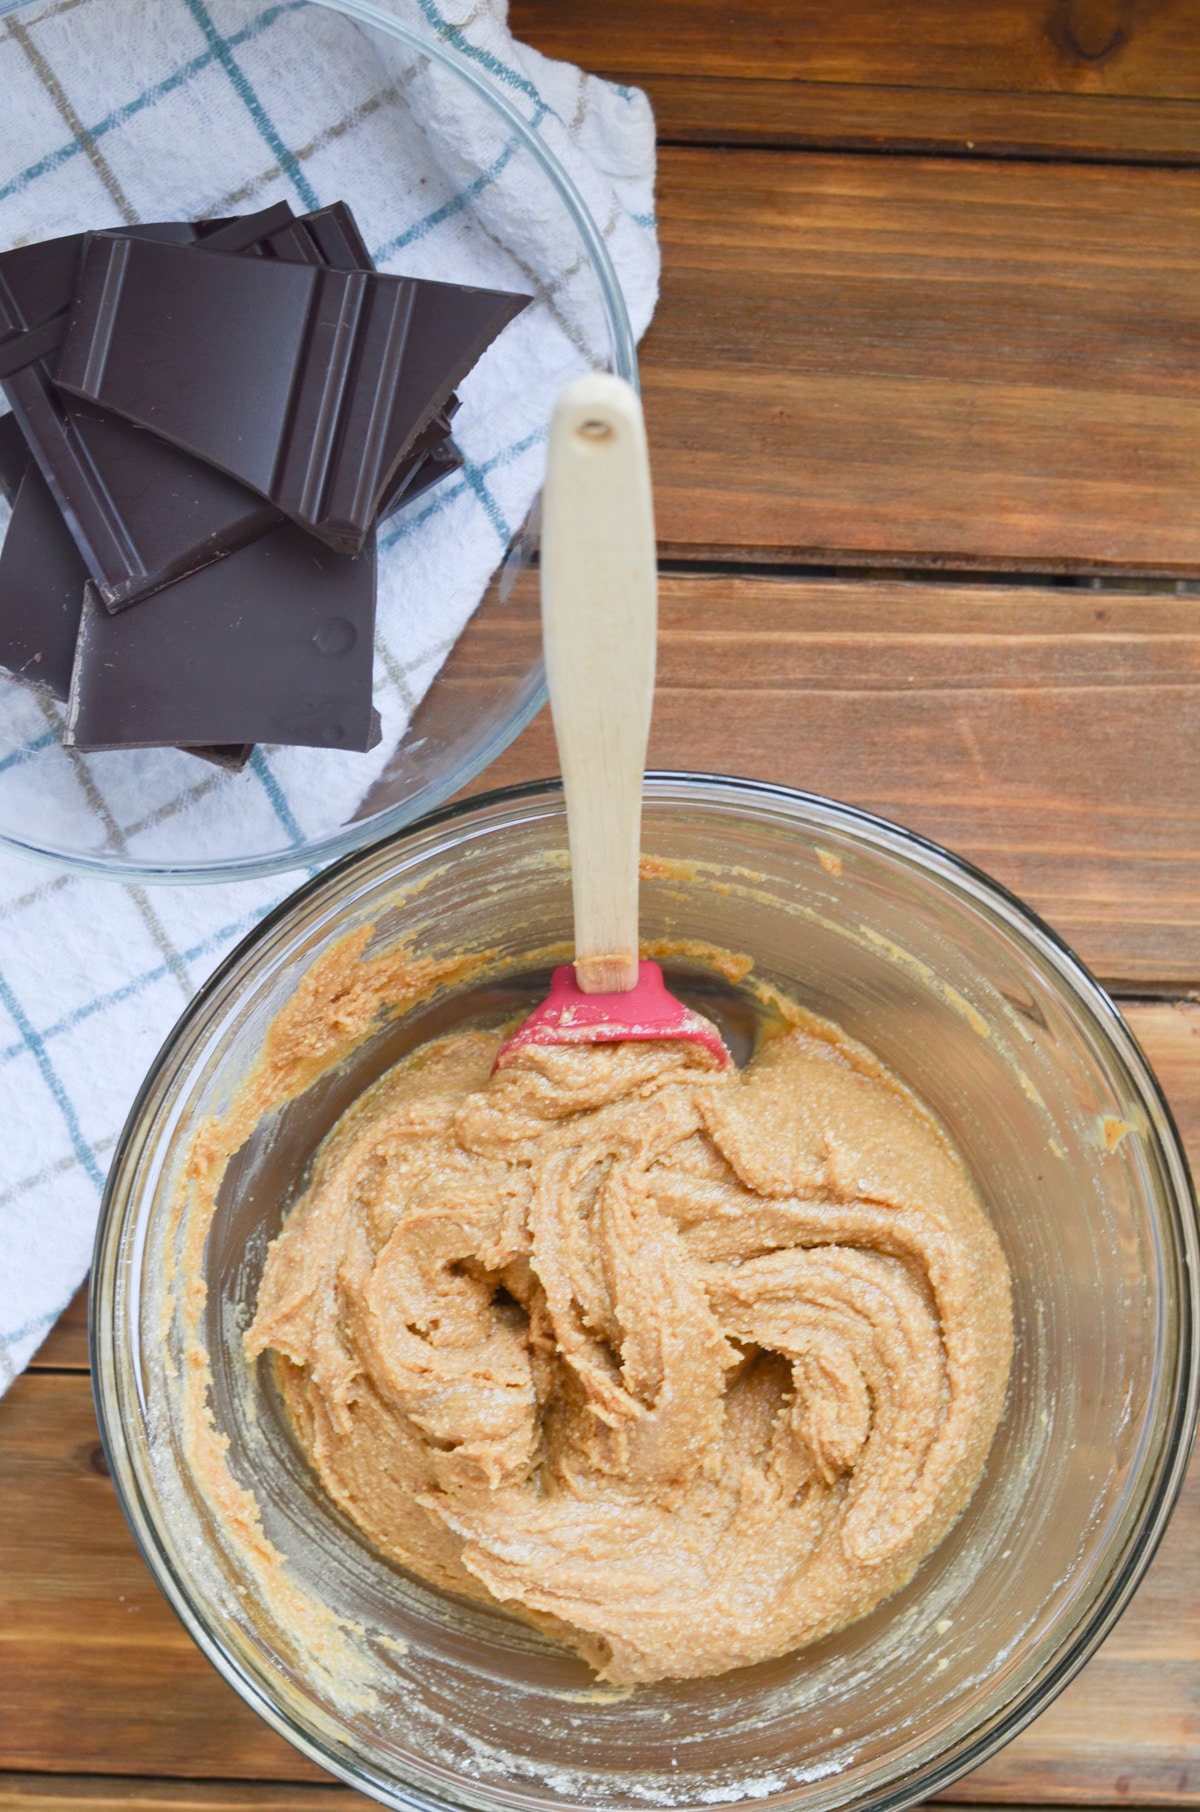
x=647 y=1010
x=599 y=627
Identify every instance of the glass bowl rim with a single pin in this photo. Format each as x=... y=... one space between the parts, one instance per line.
x=1163 y=1467
x=358 y=833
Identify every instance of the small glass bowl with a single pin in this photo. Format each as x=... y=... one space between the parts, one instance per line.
x=431 y=1702
x=118 y=813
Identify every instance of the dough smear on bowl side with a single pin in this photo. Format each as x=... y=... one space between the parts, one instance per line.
x=686 y=1365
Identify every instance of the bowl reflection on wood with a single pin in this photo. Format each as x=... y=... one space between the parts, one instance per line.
x=420 y=1699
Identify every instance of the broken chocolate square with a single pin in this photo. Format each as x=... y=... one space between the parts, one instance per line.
x=42 y=579
x=273 y=644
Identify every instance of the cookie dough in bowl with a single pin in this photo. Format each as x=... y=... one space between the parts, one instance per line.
x=771 y=1308
x=691 y=1367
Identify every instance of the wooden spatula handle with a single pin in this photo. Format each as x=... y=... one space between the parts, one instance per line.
x=599 y=624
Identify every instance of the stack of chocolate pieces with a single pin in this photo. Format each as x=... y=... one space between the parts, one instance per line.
x=209 y=419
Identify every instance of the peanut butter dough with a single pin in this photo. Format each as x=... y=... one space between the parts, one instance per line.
x=687 y=1366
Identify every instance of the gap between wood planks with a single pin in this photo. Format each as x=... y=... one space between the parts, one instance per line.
x=791 y=115
x=936 y=365
x=1015 y=50
x=892 y=122
x=1105 y=80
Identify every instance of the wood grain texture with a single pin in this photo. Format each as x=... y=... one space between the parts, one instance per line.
x=1149 y=48
x=1169 y=1034
x=838 y=116
x=96 y=1674
x=1046 y=734
x=65 y=1348
x=90 y=1793
x=1015 y=83
x=913 y=361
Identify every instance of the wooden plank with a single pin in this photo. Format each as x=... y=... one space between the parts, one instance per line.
x=90 y=1793
x=923 y=362
x=1169 y=1034
x=96 y=1674
x=1128 y=1729
x=65 y=1348
x=1047 y=734
x=999 y=81
x=843 y=116
x=1115 y=47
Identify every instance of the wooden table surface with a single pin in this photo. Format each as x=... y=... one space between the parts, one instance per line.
x=924 y=402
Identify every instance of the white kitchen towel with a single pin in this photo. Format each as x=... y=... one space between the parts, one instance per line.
x=104 y=105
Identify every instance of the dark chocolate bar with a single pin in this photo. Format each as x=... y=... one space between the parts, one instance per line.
x=177 y=513
x=274 y=644
x=430 y=441
x=307 y=384
x=41 y=589
x=42 y=579
x=27 y=347
x=242 y=233
x=37 y=282
x=328 y=236
x=146 y=503
x=232 y=756
x=437 y=464
x=138 y=520
x=14 y=457
x=415 y=479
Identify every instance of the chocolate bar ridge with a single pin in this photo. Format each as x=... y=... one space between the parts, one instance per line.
x=37 y=282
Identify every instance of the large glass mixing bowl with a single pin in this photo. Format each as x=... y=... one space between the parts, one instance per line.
x=492 y=197
x=425 y=1701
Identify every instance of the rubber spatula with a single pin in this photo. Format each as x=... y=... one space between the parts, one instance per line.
x=599 y=628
